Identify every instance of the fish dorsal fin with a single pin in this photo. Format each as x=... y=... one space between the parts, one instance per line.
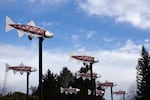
x=106 y=81
x=30 y=37
x=20 y=33
x=31 y=23
x=84 y=78
x=21 y=72
x=21 y=64
x=66 y=92
x=88 y=72
x=61 y=90
x=14 y=71
x=98 y=82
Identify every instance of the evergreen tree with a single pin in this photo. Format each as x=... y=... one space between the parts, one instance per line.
x=50 y=86
x=65 y=78
x=53 y=82
x=143 y=76
x=83 y=85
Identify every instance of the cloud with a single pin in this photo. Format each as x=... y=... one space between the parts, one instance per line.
x=49 y=2
x=135 y=12
x=107 y=39
x=32 y=6
x=112 y=66
x=147 y=40
x=75 y=37
x=130 y=47
x=47 y=24
x=45 y=4
x=88 y=34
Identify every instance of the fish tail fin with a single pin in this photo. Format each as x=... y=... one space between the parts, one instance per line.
x=70 y=55
x=7 y=67
x=9 y=21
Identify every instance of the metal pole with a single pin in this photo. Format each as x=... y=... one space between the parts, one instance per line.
x=111 y=92
x=94 y=89
x=92 y=83
x=124 y=96
x=40 y=69
x=28 y=85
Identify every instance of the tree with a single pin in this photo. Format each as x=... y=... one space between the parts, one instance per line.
x=50 y=86
x=34 y=90
x=17 y=96
x=65 y=78
x=143 y=76
x=85 y=85
x=53 y=82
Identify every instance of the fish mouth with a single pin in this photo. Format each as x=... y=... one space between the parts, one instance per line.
x=49 y=34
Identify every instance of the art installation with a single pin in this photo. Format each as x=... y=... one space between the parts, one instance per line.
x=69 y=90
x=86 y=75
x=30 y=29
x=85 y=59
x=20 y=68
x=98 y=92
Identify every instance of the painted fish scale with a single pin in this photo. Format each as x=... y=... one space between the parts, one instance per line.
x=88 y=58
x=98 y=92
x=106 y=84
x=71 y=90
x=21 y=68
x=119 y=92
x=87 y=75
x=30 y=29
x=85 y=58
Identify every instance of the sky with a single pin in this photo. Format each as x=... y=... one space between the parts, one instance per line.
x=112 y=31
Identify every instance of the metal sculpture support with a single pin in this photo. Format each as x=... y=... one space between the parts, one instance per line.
x=111 y=92
x=123 y=96
x=28 y=85
x=31 y=30
x=120 y=92
x=108 y=84
x=40 y=69
x=90 y=60
x=93 y=92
